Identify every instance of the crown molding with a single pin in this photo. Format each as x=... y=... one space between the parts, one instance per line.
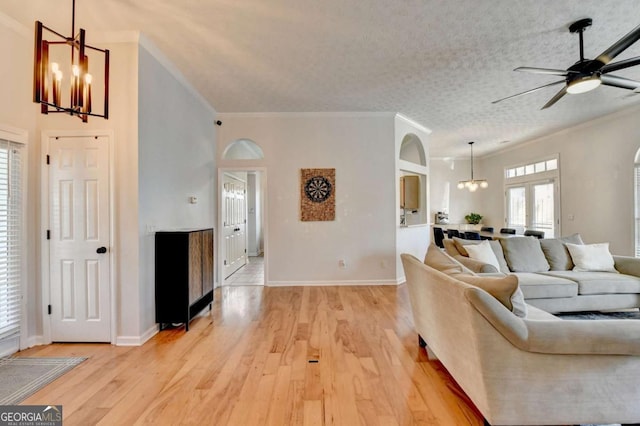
x=350 y=114
x=413 y=123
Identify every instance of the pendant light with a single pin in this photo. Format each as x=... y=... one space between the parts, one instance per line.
x=472 y=184
x=50 y=75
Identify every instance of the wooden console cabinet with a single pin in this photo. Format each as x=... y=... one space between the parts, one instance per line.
x=184 y=275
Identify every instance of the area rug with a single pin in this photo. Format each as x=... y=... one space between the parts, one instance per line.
x=599 y=315
x=22 y=377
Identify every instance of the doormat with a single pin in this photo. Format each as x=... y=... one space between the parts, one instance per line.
x=22 y=377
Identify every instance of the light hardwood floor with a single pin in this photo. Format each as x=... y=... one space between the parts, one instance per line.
x=251 y=361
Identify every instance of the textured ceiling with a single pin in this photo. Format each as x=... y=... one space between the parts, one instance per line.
x=440 y=63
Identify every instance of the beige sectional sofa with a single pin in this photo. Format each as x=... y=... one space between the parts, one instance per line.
x=526 y=369
x=545 y=272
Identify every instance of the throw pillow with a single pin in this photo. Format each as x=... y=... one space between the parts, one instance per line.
x=524 y=254
x=504 y=289
x=484 y=253
x=556 y=252
x=437 y=259
x=592 y=257
x=495 y=246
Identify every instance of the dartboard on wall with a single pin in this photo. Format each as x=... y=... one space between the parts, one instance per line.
x=317 y=194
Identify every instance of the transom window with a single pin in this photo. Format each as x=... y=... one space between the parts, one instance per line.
x=531 y=168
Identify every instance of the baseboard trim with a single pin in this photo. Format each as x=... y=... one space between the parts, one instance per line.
x=137 y=340
x=36 y=341
x=330 y=283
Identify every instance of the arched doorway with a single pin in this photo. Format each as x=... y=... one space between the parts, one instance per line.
x=242 y=215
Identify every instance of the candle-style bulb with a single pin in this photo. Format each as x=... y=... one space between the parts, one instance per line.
x=88 y=78
x=55 y=67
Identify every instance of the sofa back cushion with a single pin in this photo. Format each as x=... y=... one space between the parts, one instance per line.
x=504 y=289
x=556 y=252
x=524 y=254
x=495 y=246
x=437 y=259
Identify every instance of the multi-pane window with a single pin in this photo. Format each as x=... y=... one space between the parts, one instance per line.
x=10 y=239
x=531 y=196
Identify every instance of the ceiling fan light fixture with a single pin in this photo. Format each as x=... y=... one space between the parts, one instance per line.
x=583 y=84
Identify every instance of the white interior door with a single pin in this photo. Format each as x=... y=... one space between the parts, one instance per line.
x=79 y=239
x=234 y=224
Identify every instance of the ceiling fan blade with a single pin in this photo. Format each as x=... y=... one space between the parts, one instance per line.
x=549 y=71
x=626 y=63
x=556 y=98
x=528 y=91
x=619 y=46
x=621 y=82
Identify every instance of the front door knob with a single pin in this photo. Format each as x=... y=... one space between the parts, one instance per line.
x=101 y=250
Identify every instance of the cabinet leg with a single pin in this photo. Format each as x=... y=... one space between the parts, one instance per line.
x=210 y=306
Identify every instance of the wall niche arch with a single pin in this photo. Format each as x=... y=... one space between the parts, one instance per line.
x=412 y=150
x=413 y=168
x=243 y=149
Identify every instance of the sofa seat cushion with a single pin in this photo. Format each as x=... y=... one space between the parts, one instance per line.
x=544 y=286
x=599 y=282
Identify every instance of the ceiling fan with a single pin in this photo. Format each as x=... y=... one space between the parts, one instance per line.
x=587 y=74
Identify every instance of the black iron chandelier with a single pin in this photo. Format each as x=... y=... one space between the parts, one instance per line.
x=50 y=80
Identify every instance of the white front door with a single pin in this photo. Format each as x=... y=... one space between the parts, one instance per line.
x=234 y=222
x=79 y=239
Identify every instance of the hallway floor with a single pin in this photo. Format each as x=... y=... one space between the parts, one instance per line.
x=250 y=274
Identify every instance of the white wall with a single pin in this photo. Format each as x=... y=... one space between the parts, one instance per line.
x=445 y=175
x=123 y=123
x=18 y=111
x=254 y=213
x=361 y=149
x=596 y=177
x=176 y=154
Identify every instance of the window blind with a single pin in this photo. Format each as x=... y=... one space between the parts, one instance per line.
x=10 y=239
x=637 y=176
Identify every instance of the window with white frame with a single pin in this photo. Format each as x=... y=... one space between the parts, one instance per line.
x=532 y=196
x=10 y=242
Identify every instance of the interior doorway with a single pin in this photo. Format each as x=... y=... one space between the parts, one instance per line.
x=242 y=205
x=77 y=263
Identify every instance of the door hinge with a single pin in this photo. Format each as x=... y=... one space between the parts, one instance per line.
x=49 y=309
x=48 y=159
x=48 y=234
x=245 y=250
x=225 y=262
